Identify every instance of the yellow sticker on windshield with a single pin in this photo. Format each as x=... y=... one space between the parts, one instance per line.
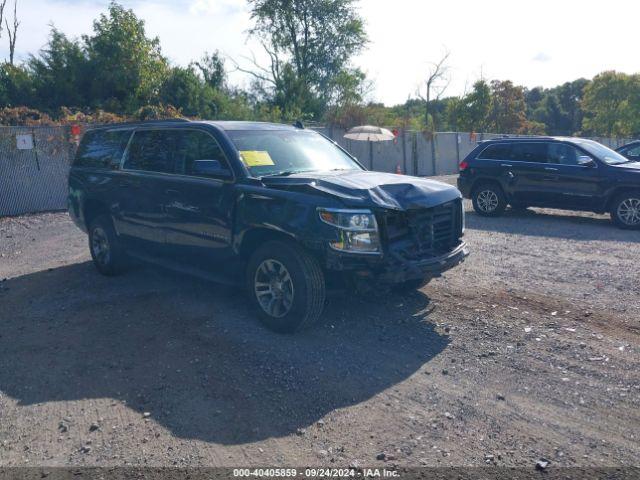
x=256 y=158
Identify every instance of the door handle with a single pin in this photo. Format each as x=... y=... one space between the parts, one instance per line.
x=171 y=191
x=550 y=169
x=506 y=165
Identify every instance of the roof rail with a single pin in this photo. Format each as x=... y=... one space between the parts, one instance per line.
x=139 y=122
x=179 y=119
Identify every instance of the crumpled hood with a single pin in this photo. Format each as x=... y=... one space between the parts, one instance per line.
x=359 y=188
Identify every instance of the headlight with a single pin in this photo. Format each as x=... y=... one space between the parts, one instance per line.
x=358 y=229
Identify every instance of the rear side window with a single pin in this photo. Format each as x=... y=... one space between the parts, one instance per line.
x=102 y=148
x=530 y=152
x=497 y=151
x=152 y=151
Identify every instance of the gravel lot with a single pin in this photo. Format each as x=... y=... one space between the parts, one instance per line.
x=529 y=350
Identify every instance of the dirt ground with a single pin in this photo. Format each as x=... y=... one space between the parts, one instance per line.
x=529 y=350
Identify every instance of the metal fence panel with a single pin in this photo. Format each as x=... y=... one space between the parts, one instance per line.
x=34 y=179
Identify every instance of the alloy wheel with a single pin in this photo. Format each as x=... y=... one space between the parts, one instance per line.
x=629 y=211
x=273 y=288
x=487 y=201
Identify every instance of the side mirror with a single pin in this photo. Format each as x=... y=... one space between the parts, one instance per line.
x=586 y=161
x=210 y=168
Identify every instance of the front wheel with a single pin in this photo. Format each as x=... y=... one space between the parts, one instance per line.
x=489 y=200
x=286 y=285
x=625 y=211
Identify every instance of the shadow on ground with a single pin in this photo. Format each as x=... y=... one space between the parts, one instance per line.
x=553 y=223
x=191 y=354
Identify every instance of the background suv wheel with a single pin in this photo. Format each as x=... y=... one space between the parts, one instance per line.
x=286 y=285
x=625 y=210
x=489 y=200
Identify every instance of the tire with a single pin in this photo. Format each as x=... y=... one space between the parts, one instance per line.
x=625 y=210
x=286 y=285
x=489 y=200
x=107 y=253
x=410 y=285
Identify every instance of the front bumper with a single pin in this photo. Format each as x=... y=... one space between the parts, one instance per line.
x=393 y=269
x=429 y=267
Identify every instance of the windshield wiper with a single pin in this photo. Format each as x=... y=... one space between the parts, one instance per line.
x=283 y=173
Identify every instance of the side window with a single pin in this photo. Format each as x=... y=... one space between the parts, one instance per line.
x=152 y=151
x=564 y=154
x=199 y=154
x=530 y=152
x=102 y=148
x=497 y=151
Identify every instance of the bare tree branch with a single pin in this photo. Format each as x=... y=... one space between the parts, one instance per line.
x=12 y=33
x=263 y=74
x=2 y=5
x=436 y=84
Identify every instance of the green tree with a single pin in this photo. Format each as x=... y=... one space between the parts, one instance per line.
x=310 y=44
x=16 y=86
x=508 y=108
x=212 y=69
x=125 y=66
x=472 y=111
x=611 y=105
x=184 y=90
x=59 y=73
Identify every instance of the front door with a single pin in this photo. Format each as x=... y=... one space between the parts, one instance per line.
x=199 y=202
x=579 y=183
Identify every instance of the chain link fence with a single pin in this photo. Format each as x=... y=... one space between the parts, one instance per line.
x=34 y=165
x=35 y=161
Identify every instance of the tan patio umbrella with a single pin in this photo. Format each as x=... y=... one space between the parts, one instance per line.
x=369 y=133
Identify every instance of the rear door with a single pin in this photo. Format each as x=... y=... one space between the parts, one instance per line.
x=146 y=175
x=199 y=200
x=526 y=173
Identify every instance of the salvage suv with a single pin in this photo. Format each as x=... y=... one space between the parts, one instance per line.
x=553 y=172
x=280 y=209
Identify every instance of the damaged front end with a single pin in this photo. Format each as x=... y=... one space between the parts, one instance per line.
x=423 y=242
x=417 y=243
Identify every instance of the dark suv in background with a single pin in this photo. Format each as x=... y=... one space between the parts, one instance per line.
x=564 y=173
x=282 y=210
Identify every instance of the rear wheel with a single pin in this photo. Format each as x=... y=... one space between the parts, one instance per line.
x=286 y=285
x=489 y=200
x=625 y=210
x=107 y=253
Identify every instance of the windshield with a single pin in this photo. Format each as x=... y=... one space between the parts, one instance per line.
x=603 y=153
x=273 y=152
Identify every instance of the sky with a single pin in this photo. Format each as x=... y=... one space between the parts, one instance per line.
x=542 y=43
